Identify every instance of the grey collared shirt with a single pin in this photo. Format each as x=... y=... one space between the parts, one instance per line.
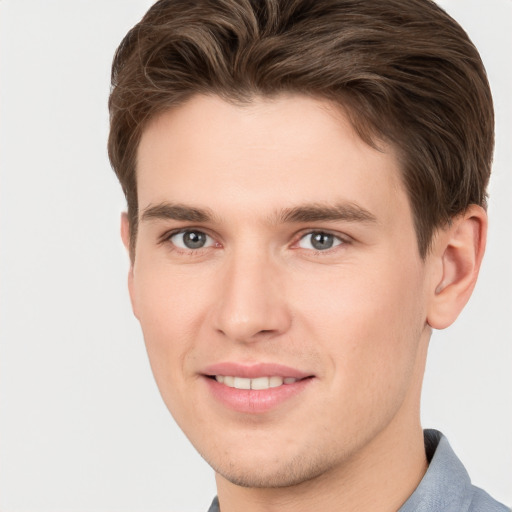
x=446 y=486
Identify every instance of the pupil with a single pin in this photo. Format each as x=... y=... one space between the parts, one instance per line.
x=322 y=241
x=194 y=240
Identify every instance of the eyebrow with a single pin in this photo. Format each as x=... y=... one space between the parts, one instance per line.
x=312 y=212
x=177 y=212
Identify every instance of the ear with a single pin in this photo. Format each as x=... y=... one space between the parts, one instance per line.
x=125 y=236
x=125 y=231
x=458 y=251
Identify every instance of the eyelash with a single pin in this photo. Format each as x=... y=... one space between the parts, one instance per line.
x=166 y=239
x=343 y=240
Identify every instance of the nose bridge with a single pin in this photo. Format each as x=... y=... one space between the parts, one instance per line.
x=251 y=302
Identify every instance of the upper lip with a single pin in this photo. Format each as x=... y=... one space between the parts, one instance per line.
x=254 y=370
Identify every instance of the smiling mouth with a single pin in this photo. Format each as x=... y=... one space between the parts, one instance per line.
x=250 y=391
x=257 y=383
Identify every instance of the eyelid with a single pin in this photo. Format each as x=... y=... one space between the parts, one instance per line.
x=166 y=238
x=343 y=238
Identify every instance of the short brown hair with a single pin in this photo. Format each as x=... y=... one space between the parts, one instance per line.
x=403 y=70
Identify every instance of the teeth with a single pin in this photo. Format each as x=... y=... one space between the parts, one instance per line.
x=229 y=381
x=260 y=383
x=257 y=383
x=241 y=383
x=275 y=382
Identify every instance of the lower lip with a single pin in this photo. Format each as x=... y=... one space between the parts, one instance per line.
x=255 y=401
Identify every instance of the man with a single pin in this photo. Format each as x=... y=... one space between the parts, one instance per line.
x=306 y=187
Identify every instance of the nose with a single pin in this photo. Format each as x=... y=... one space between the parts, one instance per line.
x=251 y=303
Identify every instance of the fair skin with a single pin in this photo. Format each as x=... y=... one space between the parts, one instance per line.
x=273 y=242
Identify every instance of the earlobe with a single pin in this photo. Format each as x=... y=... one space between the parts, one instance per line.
x=125 y=236
x=458 y=252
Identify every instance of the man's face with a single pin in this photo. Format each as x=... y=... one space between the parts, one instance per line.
x=276 y=250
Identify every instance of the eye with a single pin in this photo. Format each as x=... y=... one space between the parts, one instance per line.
x=319 y=241
x=191 y=239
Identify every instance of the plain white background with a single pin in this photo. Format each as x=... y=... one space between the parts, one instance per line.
x=82 y=427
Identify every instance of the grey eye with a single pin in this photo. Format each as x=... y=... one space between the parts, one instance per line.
x=191 y=240
x=319 y=241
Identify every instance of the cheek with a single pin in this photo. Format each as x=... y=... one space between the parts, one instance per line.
x=168 y=311
x=369 y=323
x=169 y=300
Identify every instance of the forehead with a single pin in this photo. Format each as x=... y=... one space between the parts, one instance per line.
x=268 y=154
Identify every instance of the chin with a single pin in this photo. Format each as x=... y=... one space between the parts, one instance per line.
x=284 y=472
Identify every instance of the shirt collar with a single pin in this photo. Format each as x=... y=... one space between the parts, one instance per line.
x=446 y=485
